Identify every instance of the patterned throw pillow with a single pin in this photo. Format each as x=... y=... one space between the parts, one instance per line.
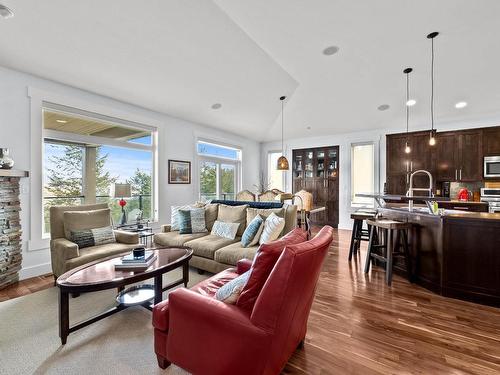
x=225 y=230
x=252 y=232
x=192 y=221
x=272 y=228
x=230 y=291
x=93 y=237
x=174 y=218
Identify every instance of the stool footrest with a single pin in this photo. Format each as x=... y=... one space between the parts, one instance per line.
x=379 y=258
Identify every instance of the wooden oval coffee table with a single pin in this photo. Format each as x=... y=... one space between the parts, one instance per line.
x=101 y=275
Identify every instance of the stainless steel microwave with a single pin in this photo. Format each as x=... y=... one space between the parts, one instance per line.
x=492 y=166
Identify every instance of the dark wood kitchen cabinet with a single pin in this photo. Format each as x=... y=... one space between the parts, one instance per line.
x=457 y=156
x=317 y=170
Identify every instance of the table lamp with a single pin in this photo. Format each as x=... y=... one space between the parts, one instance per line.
x=122 y=191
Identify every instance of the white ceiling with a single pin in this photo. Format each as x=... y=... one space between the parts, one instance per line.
x=180 y=57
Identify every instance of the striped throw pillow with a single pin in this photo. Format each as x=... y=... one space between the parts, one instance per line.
x=93 y=237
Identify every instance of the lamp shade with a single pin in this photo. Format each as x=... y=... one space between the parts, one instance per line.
x=121 y=191
x=282 y=164
x=306 y=201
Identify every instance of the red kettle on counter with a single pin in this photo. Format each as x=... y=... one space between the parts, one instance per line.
x=464 y=195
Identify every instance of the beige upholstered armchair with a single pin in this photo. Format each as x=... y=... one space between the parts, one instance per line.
x=66 y=255
x=245 y=195
x=267 y=196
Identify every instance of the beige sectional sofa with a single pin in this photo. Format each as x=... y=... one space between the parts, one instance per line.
x=213 y=253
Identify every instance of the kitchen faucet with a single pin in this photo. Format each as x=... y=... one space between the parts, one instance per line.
x=412 y=189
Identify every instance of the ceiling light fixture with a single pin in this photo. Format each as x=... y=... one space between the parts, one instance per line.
x=407 y=72
x=432 y=138
x=460 y=105
x=216 y=106
x=383 y=107
x=332 y=50
x=6 y=12
x=411 y=102
x=62 y=121
x=282 y=160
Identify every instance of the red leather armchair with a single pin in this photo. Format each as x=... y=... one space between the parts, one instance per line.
x=206 y=336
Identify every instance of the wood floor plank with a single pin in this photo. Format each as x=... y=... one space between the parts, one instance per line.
x=359 y=325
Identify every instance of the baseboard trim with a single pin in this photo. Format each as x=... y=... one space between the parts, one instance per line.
x=33 y=271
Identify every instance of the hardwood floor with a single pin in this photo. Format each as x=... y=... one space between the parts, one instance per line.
x=359 y=325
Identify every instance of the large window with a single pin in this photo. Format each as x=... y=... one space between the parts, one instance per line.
x=275 y=177
x=362 y=173
x=84 y=156
x=219 y=171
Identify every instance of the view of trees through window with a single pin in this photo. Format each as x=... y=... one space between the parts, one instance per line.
x=84 y=157
x=218 y=177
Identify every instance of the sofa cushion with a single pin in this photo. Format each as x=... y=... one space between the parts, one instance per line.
x=233 y=253
x=192 y=221
x=253 y=231
x=234 y=214
x=225 y=230
x=175 y=238
x=89 y=254
x=93 y=237
x=263 y=264
x=206 y=288
x=229 y=292
x=206 y=246
x=273 y=227
x=252 y=212
x=211 y=212
x=83 y=220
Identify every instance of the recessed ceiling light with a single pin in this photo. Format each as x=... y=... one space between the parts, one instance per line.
x=461 y=105
x=62 y=121
x=383 y=107
x=6 y=12
x=308 y=128
x=332 y=50
x=411 y=102
x=216 y=106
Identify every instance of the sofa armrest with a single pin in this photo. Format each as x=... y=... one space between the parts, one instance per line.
x=129 y=238
x=243 y=265
x=166 y=228
x=201 y=324
x=64 y=249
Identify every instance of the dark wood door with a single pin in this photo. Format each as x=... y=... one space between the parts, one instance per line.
x=447 y=156
x=470 y=151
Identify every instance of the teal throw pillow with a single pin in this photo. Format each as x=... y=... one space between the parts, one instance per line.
x=253 y=229
x=185 y=222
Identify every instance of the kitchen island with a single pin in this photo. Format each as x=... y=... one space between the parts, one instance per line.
x=455 y=254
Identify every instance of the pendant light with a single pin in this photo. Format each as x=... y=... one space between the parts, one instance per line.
x=432 y=138
x=407 y=72
x=282 y=161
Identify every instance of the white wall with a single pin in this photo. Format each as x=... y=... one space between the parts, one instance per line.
x=344 y=141
x=176 y=141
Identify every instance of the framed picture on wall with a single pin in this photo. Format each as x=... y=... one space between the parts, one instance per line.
x=179 y=172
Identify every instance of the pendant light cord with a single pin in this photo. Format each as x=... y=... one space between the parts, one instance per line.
x=406 y=104
x=282 y=140
x=432 y=86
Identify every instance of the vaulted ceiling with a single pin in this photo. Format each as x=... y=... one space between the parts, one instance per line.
x=181 y=57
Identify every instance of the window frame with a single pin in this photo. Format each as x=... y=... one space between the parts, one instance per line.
x=269 y=166
x=218 y=160
x=375 y=170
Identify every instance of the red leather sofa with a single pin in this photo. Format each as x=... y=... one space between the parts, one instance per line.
x=206 y=336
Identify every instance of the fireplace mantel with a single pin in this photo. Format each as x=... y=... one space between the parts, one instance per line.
x=10 y=226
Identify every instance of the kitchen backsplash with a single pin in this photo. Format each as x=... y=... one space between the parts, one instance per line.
x=472 y=186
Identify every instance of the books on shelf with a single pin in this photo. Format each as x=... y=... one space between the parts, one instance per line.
x=129 y=263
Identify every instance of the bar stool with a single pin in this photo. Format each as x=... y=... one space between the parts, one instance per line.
x=358 y=233
x=390 y=247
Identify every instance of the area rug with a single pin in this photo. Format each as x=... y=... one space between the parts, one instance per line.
x=119 y=344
